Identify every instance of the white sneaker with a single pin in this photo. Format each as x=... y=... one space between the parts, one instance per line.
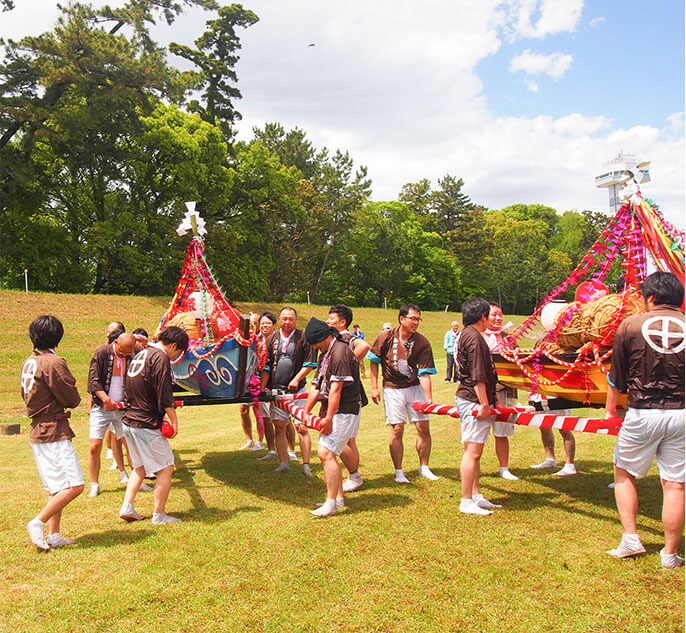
x=325 y=510
x=163 y=519
x=307 y=471
x=484 y=503
x=670 y=561
x=506 y=474
x=113 y=466
x=469 y=506
x=123 y=477
x=246 y=446
x=352 y=484
x=257 y=446
x=548 y=463
x=146 y=487
x=292 y=457
x=269 y=455
x=57 y=540
x=37 y=534
x=108 y=454
x=567 y=469
x=95 y=490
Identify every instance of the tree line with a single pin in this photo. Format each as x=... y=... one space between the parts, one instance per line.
x=103 y=139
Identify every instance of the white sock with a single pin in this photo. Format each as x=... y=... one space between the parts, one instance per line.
x=468 y=506
x=484 y=503
x=400 y=476
x=281 y=468
x=108 y=455
x=340 y=502
x=37 y=521
x=126 y=508
x=567 y=469
x=506 y=474
x=355 y=476
x=425 y=471
x=307 y=471
x=631 y=540
x=547 y=463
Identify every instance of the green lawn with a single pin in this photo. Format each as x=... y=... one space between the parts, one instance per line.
x=249 y=557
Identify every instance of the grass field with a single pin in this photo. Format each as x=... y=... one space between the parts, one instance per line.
x=249 y=557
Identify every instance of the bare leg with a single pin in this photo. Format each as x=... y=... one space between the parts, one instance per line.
x=162 y=487
x=569 y=443
x=350 y=456
x=280 y=429
x=548 y=440
x=94 y=460
x=118 y=452
x=469 y=469
x=672 y=514
x=332 y=473
x=626 y=497
x=423 y=442
x=502 y=451
x=290 y=435
x=246 y=422
x=269 y=433
x=396 y=444
x=54 y=506
x=135 y=480
x=305 y=442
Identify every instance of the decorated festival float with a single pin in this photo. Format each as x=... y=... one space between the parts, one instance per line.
x=572 y=360
x=569 y=364
x=223 y=353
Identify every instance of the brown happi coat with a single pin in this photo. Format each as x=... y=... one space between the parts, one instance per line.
x=414 y=354
x=648 y=359
x=475 y=365
x=100 y=371
x=339 y=364
x=48 y=388
x=304 y=354
x=148 y=389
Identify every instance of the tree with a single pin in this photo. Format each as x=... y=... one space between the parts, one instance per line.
x=292 y=148
x=216 y=56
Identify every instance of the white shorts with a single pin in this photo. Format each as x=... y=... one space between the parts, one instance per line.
x=100 y=421
x=280 y=414
x=265 y=409
x=148 y=448
x=345 y=426
x=652 y=433
x=472 y=429
x=58 y=465
x=398 y=405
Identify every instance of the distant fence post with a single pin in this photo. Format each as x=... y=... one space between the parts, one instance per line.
x=26 y=280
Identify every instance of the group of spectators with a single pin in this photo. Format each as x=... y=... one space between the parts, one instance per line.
x=648 y=361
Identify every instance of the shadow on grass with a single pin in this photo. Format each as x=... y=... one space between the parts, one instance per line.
x=589 y=486
x=112 y=538
x=243 y=471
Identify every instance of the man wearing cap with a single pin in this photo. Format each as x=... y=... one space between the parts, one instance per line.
x=337 y=387
x=340 y=317
x=407 y=363
x=289 y=359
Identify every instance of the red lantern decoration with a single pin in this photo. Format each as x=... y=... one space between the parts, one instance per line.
x=589 y=290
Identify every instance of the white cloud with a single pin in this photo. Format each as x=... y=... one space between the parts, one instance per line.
x=540 y=18
x=554 y=65
x=596 y=22
x=531 y=85
x=397 y=83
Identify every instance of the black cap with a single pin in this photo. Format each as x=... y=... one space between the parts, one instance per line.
x=318 y=331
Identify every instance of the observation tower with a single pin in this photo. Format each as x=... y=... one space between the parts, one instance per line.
x=617 y=172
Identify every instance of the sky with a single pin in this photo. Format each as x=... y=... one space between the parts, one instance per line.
x=522 y=99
